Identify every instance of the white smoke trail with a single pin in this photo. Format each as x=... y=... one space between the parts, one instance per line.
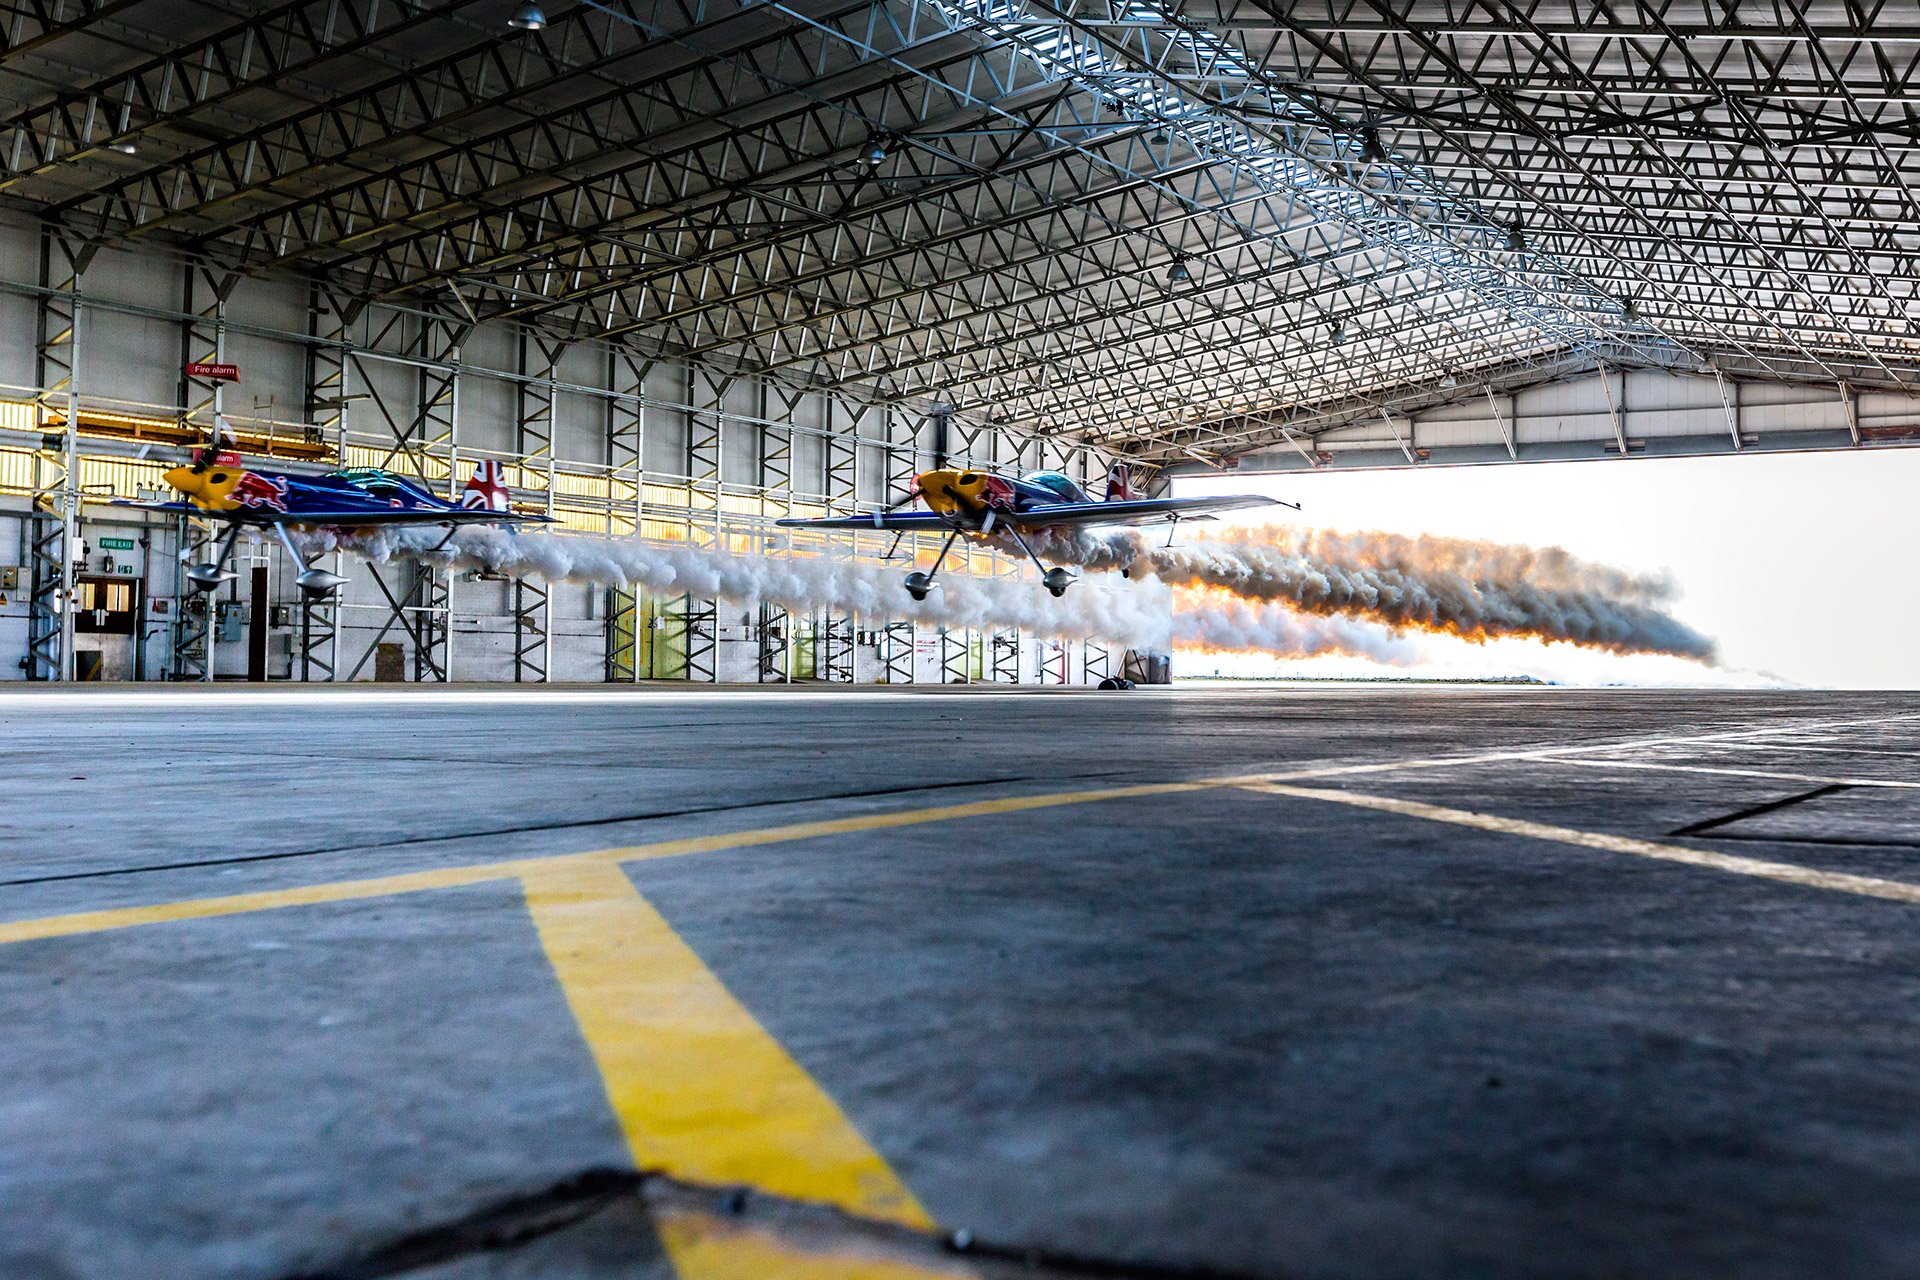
x=1478 y=591
x=1107 y=607
x=1226 y=625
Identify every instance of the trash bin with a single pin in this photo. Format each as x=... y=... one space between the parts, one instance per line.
x=390 y=663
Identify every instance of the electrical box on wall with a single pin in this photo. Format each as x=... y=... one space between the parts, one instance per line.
x=9 y=577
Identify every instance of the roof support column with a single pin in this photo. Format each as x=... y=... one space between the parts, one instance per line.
x=842 y=489
x=431 y=444
x=533 y=444
x=329 y=322
x=626 y=492
x=706 y=507
x=898 y=645
x=54 y=523
x=201 y=403
x=775 y=486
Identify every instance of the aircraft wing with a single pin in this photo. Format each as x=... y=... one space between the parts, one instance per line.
x=1134 y=510
x=906 y=521
x=341 y=519
x=374 y=519
x=171 y=508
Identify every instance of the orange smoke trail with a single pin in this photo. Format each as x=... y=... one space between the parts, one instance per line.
x=1477 y=591
x=1208 y=620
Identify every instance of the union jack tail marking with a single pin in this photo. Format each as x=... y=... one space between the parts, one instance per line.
x=487 y=491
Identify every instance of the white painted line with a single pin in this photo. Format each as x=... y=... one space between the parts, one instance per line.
x=1547 y=754
x=1787 y=872
x=1800 y=746
x=1821 y=779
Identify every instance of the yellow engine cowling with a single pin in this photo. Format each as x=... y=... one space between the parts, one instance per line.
x=211 y=488
x=950 y=491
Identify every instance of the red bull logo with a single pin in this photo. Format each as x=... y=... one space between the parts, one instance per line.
x=260 y=492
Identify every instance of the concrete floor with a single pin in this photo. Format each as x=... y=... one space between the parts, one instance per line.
x=1411 y=982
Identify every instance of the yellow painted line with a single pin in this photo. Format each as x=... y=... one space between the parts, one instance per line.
x=450 y=877
x=888 y=821
x=1865 y=886
x=706 y=1248
x=701 y=1091
x=241 y=903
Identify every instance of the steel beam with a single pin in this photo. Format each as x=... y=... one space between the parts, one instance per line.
x=53 y=527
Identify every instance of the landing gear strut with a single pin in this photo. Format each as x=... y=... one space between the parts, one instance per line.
x=314 y=583
x=1056 y=581
x=209 y=574
x=919 y=584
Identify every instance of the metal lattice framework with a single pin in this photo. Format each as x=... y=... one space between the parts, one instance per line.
x=1165 y=227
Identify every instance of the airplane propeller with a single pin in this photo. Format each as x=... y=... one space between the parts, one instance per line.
x=912 y=496
x=879 y=517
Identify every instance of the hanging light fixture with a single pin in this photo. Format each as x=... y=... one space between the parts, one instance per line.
x=876 y=152
x=530 y=17
x=1179 y=272
x=125 y=146
x=1517 y=238
x=1371 y=152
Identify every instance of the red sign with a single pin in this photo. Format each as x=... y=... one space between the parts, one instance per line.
x=214 y=372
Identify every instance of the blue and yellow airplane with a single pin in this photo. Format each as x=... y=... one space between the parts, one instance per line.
x=217 y=487
x=983 y=505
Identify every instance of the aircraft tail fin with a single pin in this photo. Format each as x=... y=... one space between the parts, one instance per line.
x=1120 y=483
x=487 y=489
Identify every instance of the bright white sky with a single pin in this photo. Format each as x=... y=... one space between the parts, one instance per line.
x=1801 y=565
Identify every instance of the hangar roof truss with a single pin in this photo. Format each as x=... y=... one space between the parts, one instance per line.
x=1171 y=227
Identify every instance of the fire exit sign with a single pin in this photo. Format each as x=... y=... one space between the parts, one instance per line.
x=116 y=544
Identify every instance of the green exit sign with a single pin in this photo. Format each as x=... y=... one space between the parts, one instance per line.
x=116 y=544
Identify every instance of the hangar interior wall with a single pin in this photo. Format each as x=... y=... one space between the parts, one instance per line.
x=1610 y=413
x=94 y=401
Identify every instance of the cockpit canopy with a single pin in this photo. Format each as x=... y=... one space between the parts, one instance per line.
x=1060 y=484
x=381 y=484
